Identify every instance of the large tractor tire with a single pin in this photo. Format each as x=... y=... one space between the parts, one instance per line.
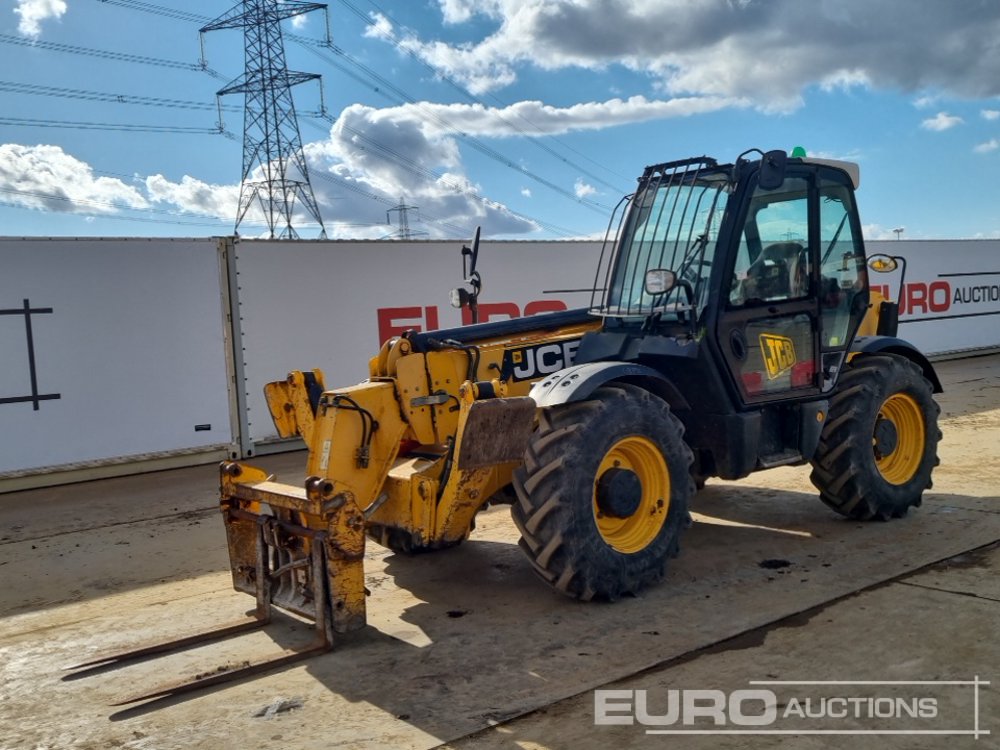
x=603 y=493
x=879 y=445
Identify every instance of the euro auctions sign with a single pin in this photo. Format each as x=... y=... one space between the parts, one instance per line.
x=949 y=300
x=808 y=707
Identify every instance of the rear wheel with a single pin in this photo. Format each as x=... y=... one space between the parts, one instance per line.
x=879 y=445
x=602 y=495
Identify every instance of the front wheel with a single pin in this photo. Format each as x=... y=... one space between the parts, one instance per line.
x=879 y=445
x=602 y=496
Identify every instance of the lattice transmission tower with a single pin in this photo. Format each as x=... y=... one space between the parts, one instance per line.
x=404 y=232
x=271 y=140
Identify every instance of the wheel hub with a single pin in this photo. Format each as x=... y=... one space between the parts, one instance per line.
x=619 y=493
x=631 y=495
x=886 y=438
x=898 y=438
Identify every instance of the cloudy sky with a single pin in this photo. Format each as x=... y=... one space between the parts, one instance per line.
x=528 y=117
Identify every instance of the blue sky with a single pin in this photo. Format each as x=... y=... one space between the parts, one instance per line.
x=528 y=117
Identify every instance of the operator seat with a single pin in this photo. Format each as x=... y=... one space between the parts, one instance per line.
x=781 y=271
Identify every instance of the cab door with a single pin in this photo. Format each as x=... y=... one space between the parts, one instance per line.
x=768 y=331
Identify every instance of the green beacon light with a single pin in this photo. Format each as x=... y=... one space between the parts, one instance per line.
x=798 y=153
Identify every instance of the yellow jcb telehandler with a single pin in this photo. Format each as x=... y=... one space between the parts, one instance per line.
x=731 y=329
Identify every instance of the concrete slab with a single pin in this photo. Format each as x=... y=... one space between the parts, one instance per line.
x=890 y=633
x=972 y=574
x=459 y=639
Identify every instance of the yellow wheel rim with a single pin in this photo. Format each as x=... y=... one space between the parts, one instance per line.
x=899 y=460
x=635 y=531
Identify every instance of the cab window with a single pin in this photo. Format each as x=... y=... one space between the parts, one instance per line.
x=772 y=261
x=842 y=266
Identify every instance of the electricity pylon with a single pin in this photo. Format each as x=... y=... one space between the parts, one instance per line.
x=271 y=140
x=404 y=232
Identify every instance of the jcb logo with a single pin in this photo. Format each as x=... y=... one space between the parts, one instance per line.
x=531 y=362
x=778 y=353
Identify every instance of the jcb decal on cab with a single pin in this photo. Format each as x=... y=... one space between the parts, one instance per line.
x=529 y=362
x=778 y=353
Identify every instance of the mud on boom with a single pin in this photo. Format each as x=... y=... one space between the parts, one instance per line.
x=731 y=329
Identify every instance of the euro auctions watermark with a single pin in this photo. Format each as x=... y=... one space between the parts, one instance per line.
x=802 y=707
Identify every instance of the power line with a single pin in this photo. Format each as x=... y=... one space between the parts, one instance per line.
x=76 y=125
x=112 y=98
x=159 y=10
x=109 y=55
x=148 y=101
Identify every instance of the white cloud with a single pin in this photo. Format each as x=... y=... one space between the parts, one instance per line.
x=400 y=152
x=878 y=232
x=767 y=52
x=941 y=121
x=526 y=192
x=926 y=101
x=845 y=79
x=984 y=148
x=380 y=29
x=536 y=118
x=298 y=22
x=990 y=114
x=34 y=12
x=191 y=195
x=47 y=178
x=460 y=11
x=582 y=189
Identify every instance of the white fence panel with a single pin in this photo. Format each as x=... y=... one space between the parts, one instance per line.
x=126 y=353
x=117 y=349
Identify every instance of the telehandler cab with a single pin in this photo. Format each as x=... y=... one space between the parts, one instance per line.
x=731 y=329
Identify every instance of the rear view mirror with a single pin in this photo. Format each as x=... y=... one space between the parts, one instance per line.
x=659 y=281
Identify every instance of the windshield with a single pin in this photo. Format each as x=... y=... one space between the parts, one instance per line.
x=672 y=223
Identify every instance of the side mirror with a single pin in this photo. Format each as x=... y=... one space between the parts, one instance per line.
x=772 y=170
x=882 y=263
x=459 y=297
x=462 y=297
x=659 y=281
x=887 y=264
